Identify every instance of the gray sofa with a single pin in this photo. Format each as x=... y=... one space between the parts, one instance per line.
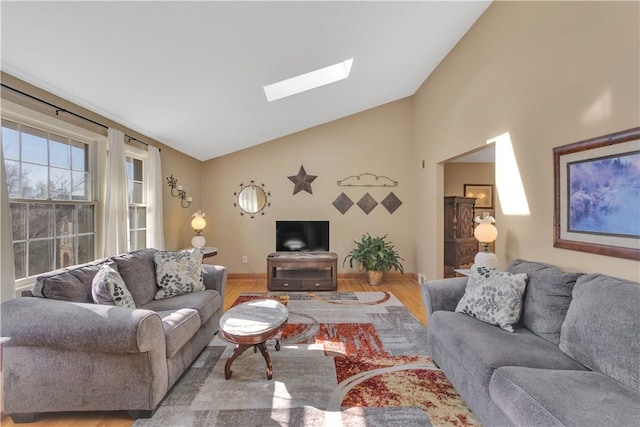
x=574 y=358
x=68 y=354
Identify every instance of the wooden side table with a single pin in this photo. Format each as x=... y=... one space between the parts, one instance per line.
x=207 y=251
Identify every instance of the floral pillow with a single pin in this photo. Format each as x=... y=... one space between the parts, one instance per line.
x=178 y=273
x=494 y=297
x=108 y=288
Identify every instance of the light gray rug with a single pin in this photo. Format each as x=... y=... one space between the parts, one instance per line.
x=347 y=359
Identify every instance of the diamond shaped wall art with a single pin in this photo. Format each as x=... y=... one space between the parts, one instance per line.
x=367 y=203
x=391 y=202
x=343 y=203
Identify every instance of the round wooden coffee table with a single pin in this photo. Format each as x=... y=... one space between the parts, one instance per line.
x=251 y=324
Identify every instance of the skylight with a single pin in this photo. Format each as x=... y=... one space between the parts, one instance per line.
x=311 y=80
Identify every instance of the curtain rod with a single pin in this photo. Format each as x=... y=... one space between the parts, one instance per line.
x=64 y=110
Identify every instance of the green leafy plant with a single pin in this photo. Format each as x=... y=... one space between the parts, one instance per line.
x=375 y=254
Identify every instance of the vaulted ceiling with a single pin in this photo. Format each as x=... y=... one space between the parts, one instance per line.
x=190 y=74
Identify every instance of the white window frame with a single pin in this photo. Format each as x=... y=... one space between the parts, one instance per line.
x=142 y=155
x=28 y=117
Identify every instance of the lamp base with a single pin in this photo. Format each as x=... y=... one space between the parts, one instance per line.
x=198 y=241
x=486 y=259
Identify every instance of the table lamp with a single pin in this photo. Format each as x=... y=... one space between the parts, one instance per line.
x=486 y=233
x=198 y=224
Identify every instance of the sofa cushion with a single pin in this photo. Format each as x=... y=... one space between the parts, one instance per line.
x=108 y=288
x=178 y=273
x=68 y=284
x=481 y=348
x=493 y=297
x=139 y=274
x=179 y=327
x=547 y=297
x=601 y=327
x=204 y=302
x=545 y=397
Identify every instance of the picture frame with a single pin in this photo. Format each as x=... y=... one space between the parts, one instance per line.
x=596 y=198
x=483 y=194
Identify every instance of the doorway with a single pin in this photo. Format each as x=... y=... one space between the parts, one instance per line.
x=471 y=174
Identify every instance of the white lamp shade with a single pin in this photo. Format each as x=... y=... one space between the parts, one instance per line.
x=198 y=241
x=198 y=223
x=485 y=233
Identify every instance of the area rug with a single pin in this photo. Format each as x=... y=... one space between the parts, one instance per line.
x=346 y=359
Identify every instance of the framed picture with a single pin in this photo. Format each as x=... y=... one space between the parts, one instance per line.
x=597 y=195
x=483 y=194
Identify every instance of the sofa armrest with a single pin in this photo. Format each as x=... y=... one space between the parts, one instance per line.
x=215 y=277
x=443 y=294
x=80 y=326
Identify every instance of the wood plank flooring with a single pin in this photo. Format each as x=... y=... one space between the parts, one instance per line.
x=406 y=289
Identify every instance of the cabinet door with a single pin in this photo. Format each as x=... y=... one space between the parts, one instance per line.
x=466 y=252
x=465 y=218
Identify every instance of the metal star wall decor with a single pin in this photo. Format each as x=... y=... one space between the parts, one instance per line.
x=302 y=181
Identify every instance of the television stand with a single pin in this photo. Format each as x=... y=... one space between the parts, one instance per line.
x=302 y=271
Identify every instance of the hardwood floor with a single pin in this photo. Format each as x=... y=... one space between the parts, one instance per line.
x=406 y=289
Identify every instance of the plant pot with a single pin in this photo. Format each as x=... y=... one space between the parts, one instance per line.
x=375 y=277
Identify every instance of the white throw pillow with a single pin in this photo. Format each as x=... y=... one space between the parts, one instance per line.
x=494 y=297
x=108 y=288
x=178 y=273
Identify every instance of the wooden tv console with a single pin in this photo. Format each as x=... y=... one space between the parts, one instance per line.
x=302 y=271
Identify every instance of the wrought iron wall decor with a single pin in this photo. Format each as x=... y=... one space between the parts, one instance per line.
x=252 y=199
x=367 y=203
x=302 y=181
x=179 y=191
x=361 y=181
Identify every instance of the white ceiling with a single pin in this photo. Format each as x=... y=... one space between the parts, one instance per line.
x=190 y=74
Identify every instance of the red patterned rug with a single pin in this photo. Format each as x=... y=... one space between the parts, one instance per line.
x=350 y=359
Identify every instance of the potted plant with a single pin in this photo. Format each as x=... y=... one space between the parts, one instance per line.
x=375 y=255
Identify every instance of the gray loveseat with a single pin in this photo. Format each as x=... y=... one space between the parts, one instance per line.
x=68 y=354
x=574 y=358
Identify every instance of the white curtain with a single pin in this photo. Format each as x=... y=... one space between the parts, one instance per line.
x=7 y=274
x=115 y=201
x=155 y=222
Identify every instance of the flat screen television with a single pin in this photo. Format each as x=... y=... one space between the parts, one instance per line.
x=302 y=236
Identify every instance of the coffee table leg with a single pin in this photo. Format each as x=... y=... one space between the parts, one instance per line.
x=267 y=358
x=240 y=348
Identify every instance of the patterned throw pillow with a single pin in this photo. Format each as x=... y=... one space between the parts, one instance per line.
x=108 y=288
x=178 y=273
x=494 y=297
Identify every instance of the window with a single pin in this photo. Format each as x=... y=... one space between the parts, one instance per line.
x=136 y=189
x=49 y=182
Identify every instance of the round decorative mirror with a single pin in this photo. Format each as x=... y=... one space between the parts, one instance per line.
x=252 y=199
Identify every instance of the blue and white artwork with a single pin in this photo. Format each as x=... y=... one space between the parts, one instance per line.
x=604 y=195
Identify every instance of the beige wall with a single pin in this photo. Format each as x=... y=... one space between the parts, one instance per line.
x=377 y=141
x=549 y=73
x=177 y=220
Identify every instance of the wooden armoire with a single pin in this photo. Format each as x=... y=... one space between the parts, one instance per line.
x=460 y=247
